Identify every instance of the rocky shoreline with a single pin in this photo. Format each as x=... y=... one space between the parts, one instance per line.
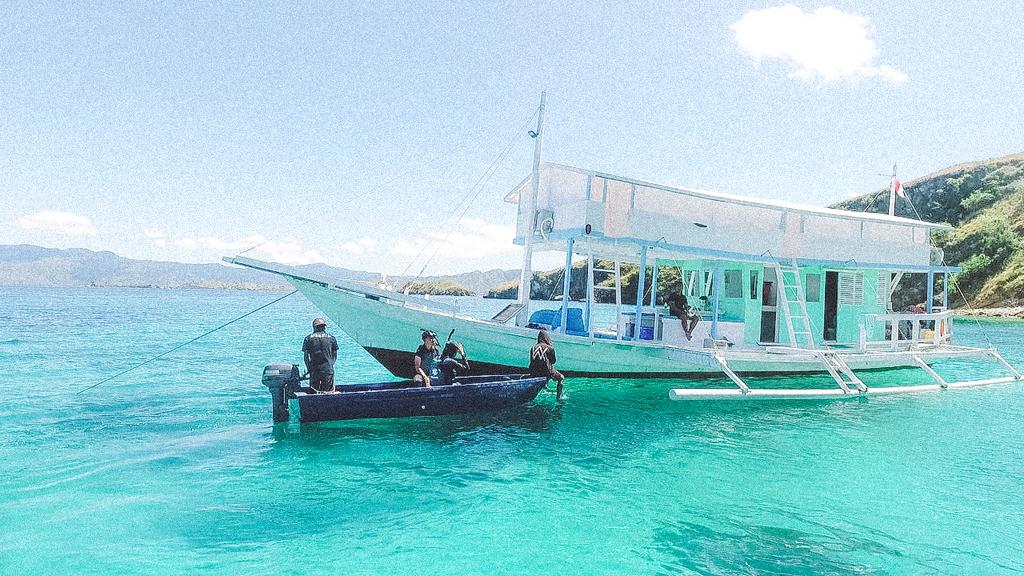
x=1008 y=312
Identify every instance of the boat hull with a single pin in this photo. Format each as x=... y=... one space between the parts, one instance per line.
x=390 y=333
x=405 y=399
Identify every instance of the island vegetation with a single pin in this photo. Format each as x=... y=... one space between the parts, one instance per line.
x=985 y=202
x=436 y=288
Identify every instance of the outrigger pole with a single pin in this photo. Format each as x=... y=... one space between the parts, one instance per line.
x=526 y=277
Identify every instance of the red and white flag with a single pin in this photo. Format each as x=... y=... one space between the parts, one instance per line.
x=897 y=187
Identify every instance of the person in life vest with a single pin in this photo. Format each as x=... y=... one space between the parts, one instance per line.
x=427 y=362
x=542 y=361
x=319 y=351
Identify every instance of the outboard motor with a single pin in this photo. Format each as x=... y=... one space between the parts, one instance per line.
x=283 y=382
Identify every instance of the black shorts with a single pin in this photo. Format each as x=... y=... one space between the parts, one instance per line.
x=321 y=382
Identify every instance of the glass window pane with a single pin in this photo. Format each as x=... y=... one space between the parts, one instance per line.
x=733 y=283
x=813 y=288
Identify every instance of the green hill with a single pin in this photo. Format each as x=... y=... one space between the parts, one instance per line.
x=985 y=201
x=437 y=288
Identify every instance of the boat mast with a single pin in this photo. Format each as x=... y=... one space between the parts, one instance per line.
x=526 y=278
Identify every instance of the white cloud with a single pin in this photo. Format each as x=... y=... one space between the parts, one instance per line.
x=288 y=251
x=53 y=222
x=156 y=236
x=360 y=246
x=473 y=239
x=827 y=43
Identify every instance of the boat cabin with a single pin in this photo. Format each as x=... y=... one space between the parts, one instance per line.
x=760 y=273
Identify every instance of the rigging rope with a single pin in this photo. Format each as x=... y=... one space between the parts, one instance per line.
x=948 y=280
x=303 y=220
x=471 y=197
x=183 y=344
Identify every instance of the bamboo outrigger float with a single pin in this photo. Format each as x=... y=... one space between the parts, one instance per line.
x=781 y=288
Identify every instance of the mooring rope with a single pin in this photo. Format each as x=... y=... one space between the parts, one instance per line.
x=183 y=344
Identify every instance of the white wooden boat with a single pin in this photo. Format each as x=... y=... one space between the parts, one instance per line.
x=786 y=288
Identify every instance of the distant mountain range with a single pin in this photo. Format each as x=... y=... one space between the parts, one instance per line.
x=38 y=266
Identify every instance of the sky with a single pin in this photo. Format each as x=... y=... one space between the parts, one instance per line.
x=356 y=133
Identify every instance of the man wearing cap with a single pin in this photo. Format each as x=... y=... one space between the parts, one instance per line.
x=320 y=350
x=426 y=362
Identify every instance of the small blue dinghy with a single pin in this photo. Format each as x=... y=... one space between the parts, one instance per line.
x=400 y=399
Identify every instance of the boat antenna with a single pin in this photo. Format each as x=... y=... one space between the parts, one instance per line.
x=526 y=277
x=183 y=344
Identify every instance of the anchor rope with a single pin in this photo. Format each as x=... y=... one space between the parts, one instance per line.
x=183 y=344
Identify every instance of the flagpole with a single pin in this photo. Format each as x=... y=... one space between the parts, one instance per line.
x=892 y=192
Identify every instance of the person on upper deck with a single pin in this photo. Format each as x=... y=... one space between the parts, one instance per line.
x=679 y=307
x=427 y=364
x=450 y=364
x=542 y=361
x=319 y=352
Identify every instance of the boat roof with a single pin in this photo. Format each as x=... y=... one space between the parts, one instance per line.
x=513 y=198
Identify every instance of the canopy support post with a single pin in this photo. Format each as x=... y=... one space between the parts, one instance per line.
x=641 y=281
x=930 y=292
x=716 y=291
x=566 y=282
x=654 y=284
x=590 y=290
x=945 y=291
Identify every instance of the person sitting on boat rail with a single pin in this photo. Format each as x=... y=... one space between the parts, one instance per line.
x=450 y=364
x=426 y=362
x=680 y=308
x=542 y=361
x=319 y=351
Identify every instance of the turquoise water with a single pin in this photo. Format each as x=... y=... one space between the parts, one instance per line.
x=176 y=468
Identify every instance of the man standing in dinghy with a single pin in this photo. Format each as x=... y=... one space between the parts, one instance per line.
x=320 y=350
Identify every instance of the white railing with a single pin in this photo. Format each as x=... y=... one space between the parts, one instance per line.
x=905 y=329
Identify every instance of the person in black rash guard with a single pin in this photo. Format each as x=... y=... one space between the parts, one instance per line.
x=426 y=363
x=450 y=364
x=542 y=361
x=319 y=351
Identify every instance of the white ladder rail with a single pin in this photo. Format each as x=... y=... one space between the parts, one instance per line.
x=841 y=372
x=796 y=285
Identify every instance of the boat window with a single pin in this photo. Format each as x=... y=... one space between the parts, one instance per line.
x=812 y=291
x=753 y=284
x=882 y=293
x=733 y=284
x=851 y=288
